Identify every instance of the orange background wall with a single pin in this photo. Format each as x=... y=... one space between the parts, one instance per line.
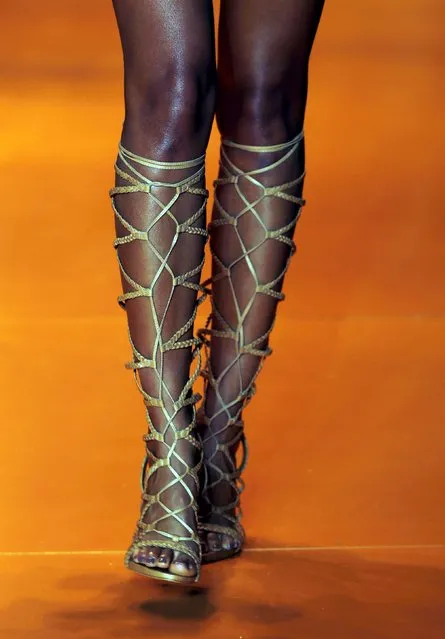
x=347 y=429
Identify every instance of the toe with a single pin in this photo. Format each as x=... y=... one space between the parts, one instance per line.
x=227 y=542
x=164 y=559
x=235 y=544
x=182 y=565
x=153 y=556
x=213 y=541
x=146 y=556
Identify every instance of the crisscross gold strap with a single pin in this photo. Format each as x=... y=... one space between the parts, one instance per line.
x=132 y=180
x=231 y=174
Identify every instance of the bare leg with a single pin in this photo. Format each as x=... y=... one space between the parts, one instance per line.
x=262 y=88
x=168 y=48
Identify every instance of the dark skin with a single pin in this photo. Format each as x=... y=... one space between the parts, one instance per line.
x=172 y=92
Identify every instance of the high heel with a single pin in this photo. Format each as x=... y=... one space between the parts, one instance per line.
x=219 y=439
x=158 y=512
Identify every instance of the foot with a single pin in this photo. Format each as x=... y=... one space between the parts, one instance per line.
x=220 y=493
x=212 y=542
x=168 y=513
x=166 y=560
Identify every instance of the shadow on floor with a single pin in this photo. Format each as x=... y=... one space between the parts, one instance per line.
x=276 y=595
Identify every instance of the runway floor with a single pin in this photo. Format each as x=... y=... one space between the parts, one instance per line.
x=344 y=508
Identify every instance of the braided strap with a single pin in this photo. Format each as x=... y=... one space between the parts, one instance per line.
x=131 y=180
x=231 y=174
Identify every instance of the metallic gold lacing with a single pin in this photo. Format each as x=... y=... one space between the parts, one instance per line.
x=136 y=182
x=230 y=174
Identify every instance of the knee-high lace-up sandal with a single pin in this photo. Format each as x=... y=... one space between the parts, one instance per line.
x=256 y=225
x=151 y=246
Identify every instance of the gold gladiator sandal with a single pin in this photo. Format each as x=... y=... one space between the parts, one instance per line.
x=230 y=174
x=157 y=511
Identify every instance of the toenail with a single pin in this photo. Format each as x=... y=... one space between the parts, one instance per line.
x=181 y=565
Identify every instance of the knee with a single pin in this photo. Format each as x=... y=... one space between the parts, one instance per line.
x=261 y=111
x=170 y=108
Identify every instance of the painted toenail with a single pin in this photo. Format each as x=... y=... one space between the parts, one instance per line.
x=181 y=565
